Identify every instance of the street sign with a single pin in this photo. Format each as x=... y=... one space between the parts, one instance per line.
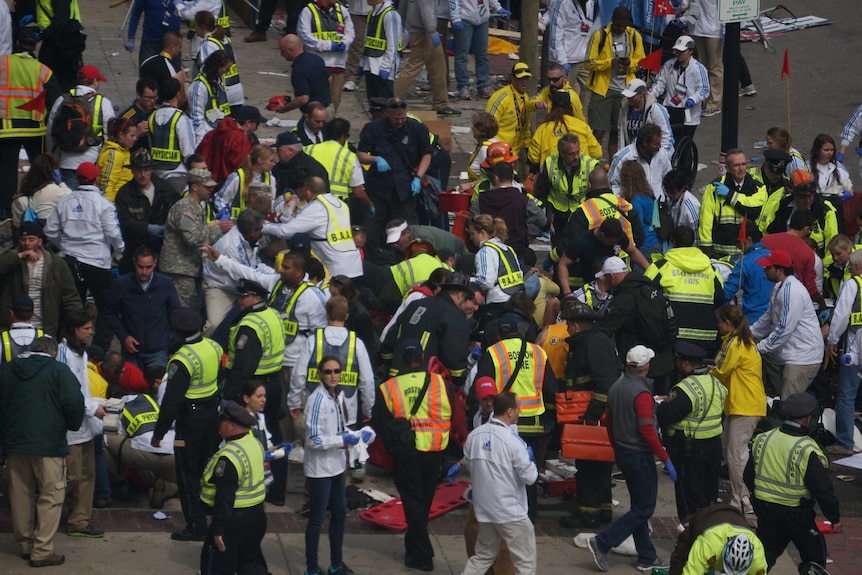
x=738 y=10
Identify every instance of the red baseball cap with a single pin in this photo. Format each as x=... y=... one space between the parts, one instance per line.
x=90 y=72
x=87 y=172
x=778 y=258
x=485 y=387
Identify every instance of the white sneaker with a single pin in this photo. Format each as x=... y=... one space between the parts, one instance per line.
x=349 y=86
x=749 y=90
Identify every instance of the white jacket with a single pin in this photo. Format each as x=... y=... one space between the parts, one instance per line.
x=476 y=13
x=500 y=469
x=487 y=271
x=702 y=16
x=359 y=7
x=324 y=48
x=71 y=160
x=85 y=226
x=655 y=168
x=227 y=193
x=235 y=93
x=686 y=212
x=233 y=246
x=841 y=319
x=185 y=133
x=693 y=82
x=334 y=335
x=654 y=113
x=92 y=425
x=790 y=328
x=570 y=29
x=324 y=427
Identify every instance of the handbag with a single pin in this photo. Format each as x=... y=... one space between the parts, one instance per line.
x=398 y=435
x=30 y=214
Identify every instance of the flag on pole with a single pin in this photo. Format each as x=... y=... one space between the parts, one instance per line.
x=743 y=230
x=785 y=68
x=37 y=104
x=663 y=8
x=652 y=62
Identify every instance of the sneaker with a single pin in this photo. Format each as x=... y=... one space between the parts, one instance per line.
x=341 y=570
x=618 y=476
x=103 y=502
x=187 y=534
x=710 y=111
x=49 y=561
x=357 y=474
x=601 y=559
x=659 y=563
x=838 y=449
x=349 y=86
x=485 y=92
x=256 y=37
x=464 y=93
x=447 y=111
x=88 y=531
x=749 y=90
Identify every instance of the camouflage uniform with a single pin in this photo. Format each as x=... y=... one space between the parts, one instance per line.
x=185 y=230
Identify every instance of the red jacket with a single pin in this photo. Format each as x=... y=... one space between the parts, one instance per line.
x=224 y=149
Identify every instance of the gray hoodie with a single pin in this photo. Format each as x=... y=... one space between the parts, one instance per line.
x=419 y=15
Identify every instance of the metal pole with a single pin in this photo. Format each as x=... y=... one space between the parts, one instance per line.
x=730 y=98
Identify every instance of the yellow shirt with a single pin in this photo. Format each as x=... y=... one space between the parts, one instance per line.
x=739 y=368
x=512 y=111
x=547 y=135
x=113 y=160
x=577 y=106
x=98 y=384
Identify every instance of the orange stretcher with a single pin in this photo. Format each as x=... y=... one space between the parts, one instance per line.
x=390 y=515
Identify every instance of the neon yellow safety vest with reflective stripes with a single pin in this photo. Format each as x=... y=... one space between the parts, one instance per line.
x=202 y=360
x=510 y=278
x=231 y=77
x=45 y=12
x=11 y=350
x=339 y=234
x=22 y=79
x=218 y=98
x=165 y=149
x=338 y=161
x=268 y=327
x=707 y=396
x=414 y=271
x=288 y=314
x=528 y=385
x=246 y=455
x=326 y=28
x=346 y=352
x=780 y=463
x=561 y=195
x=375 y=34
x=240 y=200
x=140 y=415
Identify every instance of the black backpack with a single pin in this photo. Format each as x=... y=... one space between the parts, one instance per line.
x=72 y=129
x=655 y=318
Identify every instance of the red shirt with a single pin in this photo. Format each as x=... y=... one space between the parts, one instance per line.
x=801 y=255
x=224 y=149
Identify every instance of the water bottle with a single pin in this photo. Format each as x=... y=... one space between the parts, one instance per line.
x=760 y=145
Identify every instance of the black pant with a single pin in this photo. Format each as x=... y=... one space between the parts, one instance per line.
x=9 y=148
x=242 y=539
x=593 y=494
x=273 y=413
x=196 y=441
x=698 y=468
x=677 y=124
x=416 y=479
x=778 y=525
x=98 y=282
x=267 y=9
x=386 y=209
x=377 y=87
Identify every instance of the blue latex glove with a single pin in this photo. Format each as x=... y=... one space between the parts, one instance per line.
x=360 y=71
x=839 y=157
x=129 y=45
x=504 y=12
x=155 y=230
x=530 y=453
x=287 y=446
x=416 y=186
x=476 y=353
x=365 y=436
x=384 y=75
x=825 y=316
x=223 y=214
x=372 y=211
x=721 y=190
x=269 y=455
x=338 y=47
x=567 y=68
x=859 y=151
x=25 y=20
x=457 y=26
x=453 y=473
x=689 y=103
x=382 y=164
x=846 y=195
x=350 y=439
x=671 y=469
x=435 y=39
x=58 y=177
x=547 y=264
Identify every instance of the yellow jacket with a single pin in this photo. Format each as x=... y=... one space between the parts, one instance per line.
x=512 y=112
x=577 y=106
x=113 y=159
x=739 y=368
x=600 y=55
x=98 y=384
x=547 y=135
x=708 y=550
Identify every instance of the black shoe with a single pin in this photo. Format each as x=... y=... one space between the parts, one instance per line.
x=187 y=535
x=273 y=500
x=340 y=570
x=25 y=556
x=579 y=521
x=49 y=561
x=448 y=111
x=419 y=564
x=88 y=531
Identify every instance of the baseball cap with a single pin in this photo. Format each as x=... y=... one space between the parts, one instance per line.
x=633 y=88
x=87 y=172
x=202 y=177
x=31 y=229
x=233 y=412
x=683 y=43
x=21 y=302
x=90 y=72
x=286 y=139
x=485 y=387
x=250 y=113
x=521 y=70
x=639 y=356
x=411 y=348
x=250 y=287
x=612 y=265
x=394 y=234
x=799 y=405
x=778 y=258
x=509 y=324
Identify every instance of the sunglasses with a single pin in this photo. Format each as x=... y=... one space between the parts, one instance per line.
x=397 y=105
x=331 y=372
x=555 y=79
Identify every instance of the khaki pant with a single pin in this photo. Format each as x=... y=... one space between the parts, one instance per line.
x=218 y=303
x=796 y=378
x=37 y=486
x=357 y=47
x=81 y=482
x=503 y=562
x=738 y=429
x=119 y=453
x=424 y=55
x=578 y=76
x=336 y=85
x=518 y=535
x=710 y=52
x=291 y=429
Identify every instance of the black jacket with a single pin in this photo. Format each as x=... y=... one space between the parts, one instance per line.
x=135 y=212
x=287 y=174
x=592 y=365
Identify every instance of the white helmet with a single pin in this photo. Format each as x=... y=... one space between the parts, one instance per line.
x=738 y=555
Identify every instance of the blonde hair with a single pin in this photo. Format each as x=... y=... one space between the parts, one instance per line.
x=840 y=241
x=494 y=227
x=633 y=180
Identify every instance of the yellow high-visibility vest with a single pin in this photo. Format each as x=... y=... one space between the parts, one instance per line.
x=202 y=360
x=431 y=423
x=246 y=455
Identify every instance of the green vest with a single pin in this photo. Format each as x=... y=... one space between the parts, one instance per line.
x=140 y=415
x=338 y=161
x=780 y=463
x=240 y=199
x=267 y=325
x=288 y=309
x=346 y=353
x=562 y=196
x=707 y=396
x=246 y=455
x=414 y=271
x=218 y=98
x=202 y=360
x=45 y=12
x=375 y=35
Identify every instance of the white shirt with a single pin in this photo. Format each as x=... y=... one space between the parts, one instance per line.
x=313 y=219
x=324 y=426
x=500 y=469
x=655 y=169
x=232 y=246
x=262 y=273
x=702 y=16
x=71 y=160
x=305 y=29
x=185 y=132
x=790 y=327
x=92 y=425
x=841 y=318
x=34 y=290
x=5 y=30
x=85 y=226
x=336 y=336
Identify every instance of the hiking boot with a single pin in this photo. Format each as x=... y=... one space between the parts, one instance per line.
x=49 y=561
x=447 y=111
x=88 y=531
x=600 y=559
x=659 y=563
x=256 y=37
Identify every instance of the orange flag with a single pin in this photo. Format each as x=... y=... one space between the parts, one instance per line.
x=652 y=62
x=37 y=104
x=663 y=8
x=785 y=68
x=743 y=232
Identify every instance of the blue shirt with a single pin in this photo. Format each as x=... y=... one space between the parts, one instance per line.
x=644 y=205
x=309 y=77
x=749 y=275
x=156 y=12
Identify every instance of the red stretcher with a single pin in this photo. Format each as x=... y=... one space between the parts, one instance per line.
x=390 y=515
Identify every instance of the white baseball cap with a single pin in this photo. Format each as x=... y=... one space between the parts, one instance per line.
x=683 y=43
x=612 y=265
x=639 y=356
x=634 y=88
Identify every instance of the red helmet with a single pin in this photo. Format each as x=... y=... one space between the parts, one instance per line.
x=498 y=152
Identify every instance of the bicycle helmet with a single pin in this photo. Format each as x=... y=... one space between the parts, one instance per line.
x=812 y=569
x=738 y=555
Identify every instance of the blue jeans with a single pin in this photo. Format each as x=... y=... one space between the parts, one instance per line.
x=145 y=359
x=643 y=492
x=103 y=482
x=478 y=37
x=323 y=491
x=845 y=404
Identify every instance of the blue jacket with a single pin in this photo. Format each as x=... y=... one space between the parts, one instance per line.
x=749 y=275
x=130 y=311
x=155 y=14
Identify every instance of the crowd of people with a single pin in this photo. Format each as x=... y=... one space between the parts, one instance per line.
x=213 y=302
